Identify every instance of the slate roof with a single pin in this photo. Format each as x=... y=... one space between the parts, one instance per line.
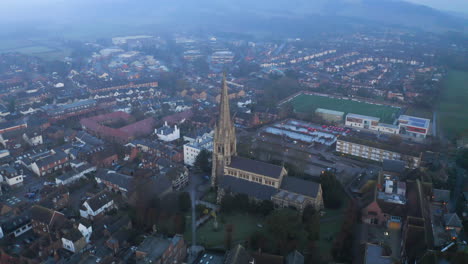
x=72 y=234
x=452 y=220
x=441 y=195
x=59 y=155
x=50 y=217
x=373 y=254
x=238 y=255
x=121 y=180
x=295 y=258
x=154 y=247
x=396 y=166
x=11 y=224
x=393 y=209
x=257 y=167
x=99 y=200
x=252 y=189
x=300 y=186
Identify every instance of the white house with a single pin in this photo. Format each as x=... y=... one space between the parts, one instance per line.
x=86 y=229
x=11 y=176
x=96 y=205
x=167 y=134
x=16 y=226
x=192 y=149
x=78 y=171
x=73 y=240
x=33 y=138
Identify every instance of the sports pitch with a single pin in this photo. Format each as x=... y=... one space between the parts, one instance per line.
x=307 y=103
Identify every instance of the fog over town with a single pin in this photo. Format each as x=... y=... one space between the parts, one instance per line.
x=233 y=132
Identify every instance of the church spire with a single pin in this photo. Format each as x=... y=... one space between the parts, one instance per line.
x=224 y=142
x=224 y=120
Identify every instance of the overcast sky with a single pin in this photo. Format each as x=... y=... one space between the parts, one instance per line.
x=20 y=10
x=450 y=5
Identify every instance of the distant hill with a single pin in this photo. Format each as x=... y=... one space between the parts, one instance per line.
x=279 y=16
x=387 y=12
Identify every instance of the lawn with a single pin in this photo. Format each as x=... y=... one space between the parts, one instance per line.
x=453 y=106
x=307 y=103
x=244 y=226
x=330 y=226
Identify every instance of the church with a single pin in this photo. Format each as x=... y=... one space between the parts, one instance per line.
x=258 y=180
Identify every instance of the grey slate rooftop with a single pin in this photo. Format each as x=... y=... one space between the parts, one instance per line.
x=253 y=189
x=258 y=167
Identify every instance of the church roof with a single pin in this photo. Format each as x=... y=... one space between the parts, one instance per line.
x=300 y=186
x=251 y=189
x=257 y=167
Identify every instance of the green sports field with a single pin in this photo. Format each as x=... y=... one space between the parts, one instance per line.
x=307 y=103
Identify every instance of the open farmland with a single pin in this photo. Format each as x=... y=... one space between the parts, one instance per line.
x=307 y=103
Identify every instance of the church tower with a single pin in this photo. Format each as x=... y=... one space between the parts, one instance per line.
x=224 y=143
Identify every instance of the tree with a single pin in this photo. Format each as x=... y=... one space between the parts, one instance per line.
x=285 y=226
x=332 y=192
x=286 y=110
x=184 y=202
x=311 y=221
x=462 y=159
x=242 y=202
x=228 y=230
x=202 y=162
x=265 y=207
x=228 y=204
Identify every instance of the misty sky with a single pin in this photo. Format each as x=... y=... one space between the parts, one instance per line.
x=63 y=10
x=16 y=5
x=450 y=5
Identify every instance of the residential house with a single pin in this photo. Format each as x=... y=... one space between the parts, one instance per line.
x=167 y=133
x=46 y=162
x=15 y=226
x=453 y=222
x=46 y=221
x=77 y=172
x=96 y=205
x=11 y=175
x=33 y=138
x=73 y=240
x=86 y=229
x=162 y=251
x=104 y=158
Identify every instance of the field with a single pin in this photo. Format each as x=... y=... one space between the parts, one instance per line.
x=453 y=105
x=47 y=50
x=306 y=103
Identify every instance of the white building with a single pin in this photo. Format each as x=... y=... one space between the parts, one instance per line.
x=86 y=229
x=191 y=150
x=16 y=226
x=79 y=170
x=96 y=205
x=11 y=176
x=33 y=139
x=362 y=121
x=167 y=134
x=413 y=126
